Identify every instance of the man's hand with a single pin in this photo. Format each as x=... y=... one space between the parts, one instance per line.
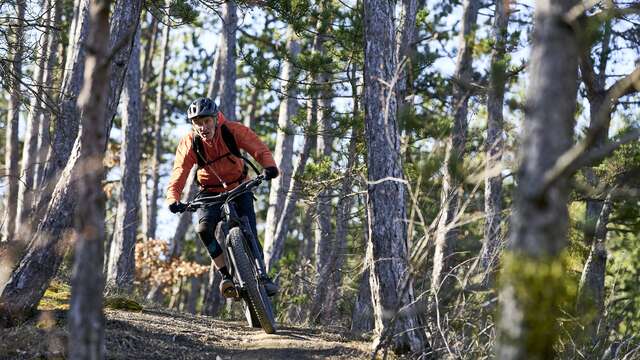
x=177 y=207
x=270 y=172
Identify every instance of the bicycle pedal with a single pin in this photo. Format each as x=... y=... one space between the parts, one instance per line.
x=230 y=293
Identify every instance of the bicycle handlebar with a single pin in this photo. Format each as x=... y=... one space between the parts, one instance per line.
x=199 y=202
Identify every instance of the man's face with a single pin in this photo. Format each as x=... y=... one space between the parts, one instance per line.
x=204 y=126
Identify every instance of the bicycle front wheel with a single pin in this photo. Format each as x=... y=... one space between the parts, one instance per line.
x=257 y=297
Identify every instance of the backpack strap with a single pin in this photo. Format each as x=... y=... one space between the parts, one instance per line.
x=230 y=142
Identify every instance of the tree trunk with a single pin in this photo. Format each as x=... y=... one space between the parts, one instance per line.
x=68 y=119
x=228 y=60
x=451 y=195
x=273 y=254
x=48 y=245
x=214 y=82
x=494 y=144
x=50 y=78
x=194 y=293
x=390 y=283
x=252 y=108
x=527 y=328
x=405 y=52
x=157 y=131
x=121 y=265
x=11 y=131
x=86 y=321
x=591 y=292
x=30 y=146
x=283 y=154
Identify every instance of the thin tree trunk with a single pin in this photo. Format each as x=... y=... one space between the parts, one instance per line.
x=274 y=253
x=50 y=79
x=121 y=264
x=68 y=118
x=86 y=320
x=591 y=292
x=192 y=298
x=228 y=60
x=362 y=316
x=540 y=220
x=144 y=201
x=214 y=82
x=494 y=144
x=12 y=171
x=149 y=51
x=404 y=50
x=324 y=234
x=252 y=108
x=390 y=283
x=451 y=195
x=30 y=146
x=283 y=154
x=157 y=131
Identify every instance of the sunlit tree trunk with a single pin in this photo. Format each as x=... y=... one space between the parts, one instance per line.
x=30 y=146
x=121 y=265
x=50 y=78
x=532 y=274
x=86 y=320
x=228 y=59
x=186 y=218
x=494 y=144
x=283 y=154
x=391 y=287
x=451 y=193
x=12 y=171
x=156 y=159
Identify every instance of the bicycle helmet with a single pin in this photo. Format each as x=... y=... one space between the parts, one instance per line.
x=202 y=107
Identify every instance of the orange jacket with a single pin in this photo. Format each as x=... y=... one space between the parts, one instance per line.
x=228 y=169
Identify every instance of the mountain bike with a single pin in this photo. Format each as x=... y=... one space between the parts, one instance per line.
x=241 y=254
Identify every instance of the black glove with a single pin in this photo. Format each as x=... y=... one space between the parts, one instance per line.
x=270 y=172
x=177 y=207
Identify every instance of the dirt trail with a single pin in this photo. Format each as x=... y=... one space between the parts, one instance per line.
x=163 y=334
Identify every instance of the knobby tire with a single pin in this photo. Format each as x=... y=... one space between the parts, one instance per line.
x=257 y=297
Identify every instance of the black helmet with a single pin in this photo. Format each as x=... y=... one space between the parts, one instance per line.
x=202 y=107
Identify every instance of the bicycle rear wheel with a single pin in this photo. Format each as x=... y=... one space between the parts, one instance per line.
x=257 y=297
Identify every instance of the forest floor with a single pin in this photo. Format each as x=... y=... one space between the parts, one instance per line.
x=157 y=333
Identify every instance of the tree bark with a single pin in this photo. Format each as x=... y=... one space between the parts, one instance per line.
x=273 y=254
x=121 y=265
x=451 y=194
x=13 y=117
x=390 y=279
x=404 y=50
x=539 y=223
x=494 y=144
x=30 y=146
x=50 y=78
x=283 y=154
x=86 y=320
x=68 y=119
x=214 y=82
x=228 y=59
x=591 y=292
x=157 y=131
x=324 y=235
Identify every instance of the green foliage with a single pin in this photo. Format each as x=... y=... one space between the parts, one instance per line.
x=542 y=289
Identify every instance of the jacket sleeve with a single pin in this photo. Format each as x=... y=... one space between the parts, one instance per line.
x=185 y=159
x=248 y=141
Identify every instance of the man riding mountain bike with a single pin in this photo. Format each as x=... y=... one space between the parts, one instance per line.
x=207 y=146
